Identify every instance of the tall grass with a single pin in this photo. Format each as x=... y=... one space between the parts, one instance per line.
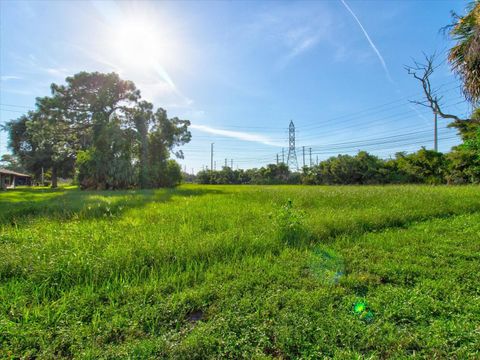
x=265 y=271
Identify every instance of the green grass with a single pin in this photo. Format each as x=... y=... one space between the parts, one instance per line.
x=235 y=272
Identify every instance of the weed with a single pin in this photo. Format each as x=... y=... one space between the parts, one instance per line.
x=290 y=224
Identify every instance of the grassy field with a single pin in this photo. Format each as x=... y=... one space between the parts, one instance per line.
x=241 y=272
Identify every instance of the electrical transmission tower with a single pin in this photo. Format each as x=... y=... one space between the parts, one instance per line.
x=292 y=155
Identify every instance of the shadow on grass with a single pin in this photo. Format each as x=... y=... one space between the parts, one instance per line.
x=19 y=205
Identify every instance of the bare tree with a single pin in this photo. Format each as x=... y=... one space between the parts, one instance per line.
x=422 y=72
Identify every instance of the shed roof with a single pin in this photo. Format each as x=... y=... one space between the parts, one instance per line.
x=10 y=172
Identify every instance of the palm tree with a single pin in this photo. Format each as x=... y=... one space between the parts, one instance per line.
x=464 y=56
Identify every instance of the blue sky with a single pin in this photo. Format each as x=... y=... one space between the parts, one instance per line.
x=240 y=71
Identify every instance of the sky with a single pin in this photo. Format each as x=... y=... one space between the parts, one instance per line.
x=240 y=71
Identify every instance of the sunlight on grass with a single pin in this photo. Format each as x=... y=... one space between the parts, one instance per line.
x=105 y=274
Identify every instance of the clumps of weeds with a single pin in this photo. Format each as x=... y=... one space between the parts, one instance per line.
x=104 y=209
x=290 y=224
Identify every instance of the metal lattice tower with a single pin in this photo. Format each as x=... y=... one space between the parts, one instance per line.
x=292 y=154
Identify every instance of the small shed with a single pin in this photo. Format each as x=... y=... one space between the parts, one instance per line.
x=9 y=179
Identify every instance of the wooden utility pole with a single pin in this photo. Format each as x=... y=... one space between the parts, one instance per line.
x=310 y=157
x=435 y=133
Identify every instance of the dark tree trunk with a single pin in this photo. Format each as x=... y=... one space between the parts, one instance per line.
x=54 y=177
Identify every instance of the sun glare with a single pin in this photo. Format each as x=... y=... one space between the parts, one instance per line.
x=137 y=43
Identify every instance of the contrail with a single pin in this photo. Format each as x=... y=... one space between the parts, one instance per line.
x=380 y=57
x=237 y=135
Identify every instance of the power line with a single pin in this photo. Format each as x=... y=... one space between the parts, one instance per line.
x=366 y=143
x=380 y=106
x=341 y=126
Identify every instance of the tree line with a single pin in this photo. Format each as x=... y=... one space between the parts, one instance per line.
x=460 y=166
x=98 y=129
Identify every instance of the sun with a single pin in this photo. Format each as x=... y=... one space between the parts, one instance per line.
x=137 y=43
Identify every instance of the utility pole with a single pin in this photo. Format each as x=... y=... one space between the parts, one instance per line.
x=303 y=151
x=317 y=159
x=292 y=154
x=310 y=157
x=231 y=164
x=277 y=158
x=435 y=134
x=226 y=162
x=211 y=156
x=283 y=155
x=214 y=165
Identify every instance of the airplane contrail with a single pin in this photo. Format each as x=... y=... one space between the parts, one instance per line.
x=372 y=45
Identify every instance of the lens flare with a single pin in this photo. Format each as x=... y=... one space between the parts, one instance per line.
x=360 y=308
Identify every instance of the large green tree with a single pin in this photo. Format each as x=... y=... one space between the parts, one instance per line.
x=98 y=122
x=96 y=105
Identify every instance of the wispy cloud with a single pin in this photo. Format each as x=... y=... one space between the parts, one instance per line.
x=291 y=29
x=300 y=47
x=240 y=135
x=372 y=45
x=9 y=77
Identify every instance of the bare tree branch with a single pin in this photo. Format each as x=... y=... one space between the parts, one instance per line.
x=422 y=73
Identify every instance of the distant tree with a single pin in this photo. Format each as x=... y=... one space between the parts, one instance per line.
x=39 y=143
x=23 y=146
x=362 y=168
x=205 y=177
x=464 y=159
x=423 y=166
x=172 y=175
x=165 y=135
x=11 y=162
